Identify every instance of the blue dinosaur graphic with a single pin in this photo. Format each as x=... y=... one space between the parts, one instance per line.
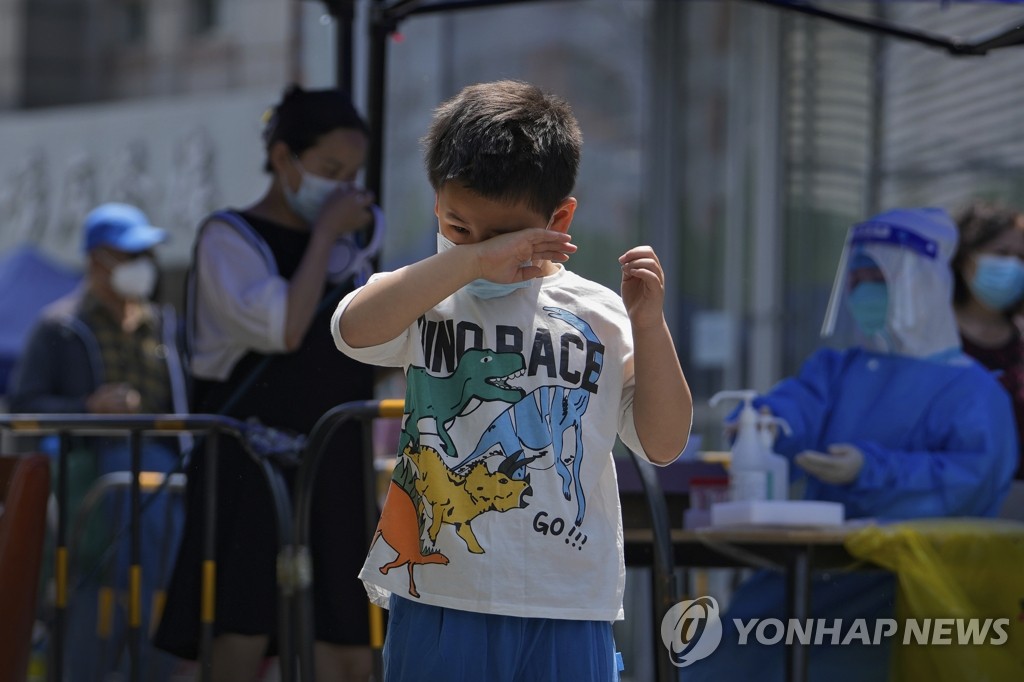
x=481 y=374
x=540 y=420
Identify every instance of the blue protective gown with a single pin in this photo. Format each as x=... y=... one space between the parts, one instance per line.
x=938 y=440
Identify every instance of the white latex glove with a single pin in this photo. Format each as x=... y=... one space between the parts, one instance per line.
x=841 y=465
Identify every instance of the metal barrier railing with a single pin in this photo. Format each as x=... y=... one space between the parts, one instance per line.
x=152 y=484
x=319 y=437
x=268 y=447
x=664 y=585
x=262 y=443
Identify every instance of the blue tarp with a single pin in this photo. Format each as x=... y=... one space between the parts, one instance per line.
x=29 y=280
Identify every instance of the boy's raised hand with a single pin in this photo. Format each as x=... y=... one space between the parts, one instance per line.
x=501 y=258
x=643 y=286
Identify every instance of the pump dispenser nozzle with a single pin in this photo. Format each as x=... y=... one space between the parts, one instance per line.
x=766 y=424
x=747 y=396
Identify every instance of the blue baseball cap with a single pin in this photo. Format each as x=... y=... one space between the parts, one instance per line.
x=121 y=227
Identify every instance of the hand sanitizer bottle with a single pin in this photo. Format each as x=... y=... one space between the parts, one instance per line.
x=778 y=466
x=749 y=467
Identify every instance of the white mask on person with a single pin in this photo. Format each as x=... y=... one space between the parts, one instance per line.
x=312 y=193
x=134 y=279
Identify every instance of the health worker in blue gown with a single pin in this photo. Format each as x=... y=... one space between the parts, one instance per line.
x=901 y=426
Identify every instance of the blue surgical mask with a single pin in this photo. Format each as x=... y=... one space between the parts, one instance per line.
x=998 y=281
x=869 y=304
x=312 y=193
x=482 y=288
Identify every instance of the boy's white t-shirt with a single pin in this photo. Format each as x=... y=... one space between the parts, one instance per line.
x=504 y=498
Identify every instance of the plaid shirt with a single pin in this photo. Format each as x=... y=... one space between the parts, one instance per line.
x=137 y=358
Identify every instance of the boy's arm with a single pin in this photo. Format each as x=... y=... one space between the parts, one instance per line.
x=662 y=404
x=387 y=306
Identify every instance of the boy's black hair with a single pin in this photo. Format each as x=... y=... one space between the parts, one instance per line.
x=507 y=141
x=979 y=222
x=302 y=116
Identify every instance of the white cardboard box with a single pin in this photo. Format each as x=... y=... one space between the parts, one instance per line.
x=778 y=513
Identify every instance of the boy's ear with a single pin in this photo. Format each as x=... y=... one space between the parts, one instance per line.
x=437 y=206
x=561 y=219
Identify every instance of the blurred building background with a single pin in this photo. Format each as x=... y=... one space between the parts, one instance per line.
x=155 y=103
x=739 y=139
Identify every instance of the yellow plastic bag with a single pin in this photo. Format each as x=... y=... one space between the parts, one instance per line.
x=953 y=569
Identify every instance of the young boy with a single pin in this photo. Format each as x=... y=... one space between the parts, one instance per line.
x=499 y=548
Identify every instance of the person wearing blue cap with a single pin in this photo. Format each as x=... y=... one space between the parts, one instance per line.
x=108 y=349
x=899 y=425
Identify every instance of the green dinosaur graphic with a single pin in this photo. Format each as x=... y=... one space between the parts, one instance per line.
x=481 y=374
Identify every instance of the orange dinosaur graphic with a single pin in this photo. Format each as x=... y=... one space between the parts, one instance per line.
x=400 y=527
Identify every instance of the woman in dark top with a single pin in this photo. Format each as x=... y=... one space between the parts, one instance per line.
x=256 y=288
x=989 y=286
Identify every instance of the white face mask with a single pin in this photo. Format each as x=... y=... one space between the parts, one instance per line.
x=134 y=279
x=483 y=288
x=312 y=193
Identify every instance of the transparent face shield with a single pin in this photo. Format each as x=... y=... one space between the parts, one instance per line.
x=908 y=262
x=835 y=300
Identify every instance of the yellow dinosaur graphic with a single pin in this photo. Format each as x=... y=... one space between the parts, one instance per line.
x=457 y=500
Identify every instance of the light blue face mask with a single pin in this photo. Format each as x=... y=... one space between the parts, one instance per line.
x=482 y=288
x=998 y=281
x=869 y=304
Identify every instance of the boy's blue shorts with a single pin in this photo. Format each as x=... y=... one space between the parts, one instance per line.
x=432 y=644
